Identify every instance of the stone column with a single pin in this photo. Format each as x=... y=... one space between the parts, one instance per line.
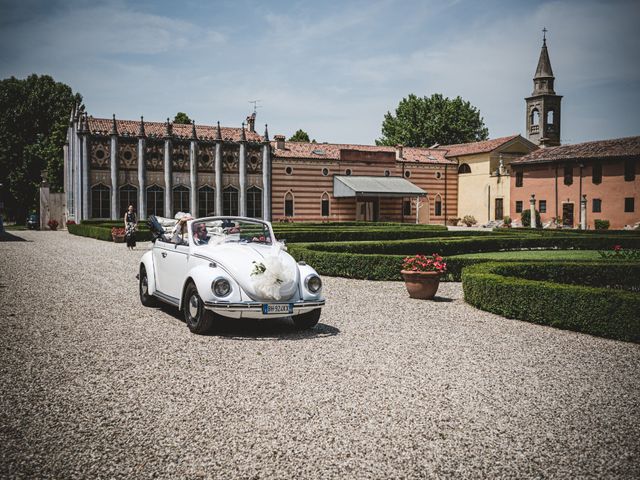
x=583 y=212
x=142 y=184
x=168 y=184
x=86 y=192
x=532 y=209
x=218 y=170
x=242 y=175
x=114 y=177
x=266 y=177
x=77 y=191
x=193 y=178
x=65 y=175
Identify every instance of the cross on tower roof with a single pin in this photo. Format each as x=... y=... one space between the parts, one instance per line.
x=544 y=34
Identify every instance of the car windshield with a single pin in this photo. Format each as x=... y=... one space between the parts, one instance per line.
x=225 y=230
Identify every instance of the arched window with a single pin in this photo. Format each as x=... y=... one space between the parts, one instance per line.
x=324 y=204
x=206 y=201
x=535 y=117
x=438 y=206
x=128 y=196
x=254 y=202
x=230 y=201
x=155 y=200
x=288 y=205
x=180 y=199
x=550 y=117
x=100 y=201
x=464 y=168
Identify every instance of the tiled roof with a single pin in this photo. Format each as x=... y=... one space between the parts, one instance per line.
x=331 y=151
x=616 y=148
x=102 y=126
x=473 y=148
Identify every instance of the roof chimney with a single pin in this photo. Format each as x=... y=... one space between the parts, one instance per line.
x=279 y=141
x=399 y=152
x=251 y=122
x=114 y=126
x=194 y=135
x=141 y=132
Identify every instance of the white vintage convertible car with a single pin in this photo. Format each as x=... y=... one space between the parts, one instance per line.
x=231 y=267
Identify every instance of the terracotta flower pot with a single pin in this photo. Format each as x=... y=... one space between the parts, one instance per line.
x=118 y=238
x=422 y=285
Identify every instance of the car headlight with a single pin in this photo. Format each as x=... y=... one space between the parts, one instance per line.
x=313 y=283
x=221 y=287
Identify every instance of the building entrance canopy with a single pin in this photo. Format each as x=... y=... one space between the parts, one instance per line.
x=370 y=186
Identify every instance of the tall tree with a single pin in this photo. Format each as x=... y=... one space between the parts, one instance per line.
x=182 y=118
x=34 y=116
x=424 y=121
x=300 y=136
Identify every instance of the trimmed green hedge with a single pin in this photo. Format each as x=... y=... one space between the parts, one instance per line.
x=525 y=291
x=104 y=232
x=451 y=245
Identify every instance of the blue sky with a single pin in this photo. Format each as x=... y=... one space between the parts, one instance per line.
x=332 y=68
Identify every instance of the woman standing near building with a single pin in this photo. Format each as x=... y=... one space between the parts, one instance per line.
x=130 y=224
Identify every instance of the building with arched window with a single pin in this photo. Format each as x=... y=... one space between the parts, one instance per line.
x=163 y=168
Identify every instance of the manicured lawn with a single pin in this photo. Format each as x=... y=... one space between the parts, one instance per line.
x=536 y=255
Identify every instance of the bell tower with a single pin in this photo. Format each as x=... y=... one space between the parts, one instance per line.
x=543 y=106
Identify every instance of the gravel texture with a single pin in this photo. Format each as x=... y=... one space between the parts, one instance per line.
x=96 y=386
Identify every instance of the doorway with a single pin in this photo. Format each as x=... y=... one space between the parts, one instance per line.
x=499 y=215
x=567 y=214
x=367 y=210
x=423 y=212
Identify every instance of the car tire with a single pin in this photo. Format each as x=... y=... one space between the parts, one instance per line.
x=307 y=320
x=143 y=286
x=199 y=320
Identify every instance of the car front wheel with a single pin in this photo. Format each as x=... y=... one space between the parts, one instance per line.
x=307 y=320
x=197 y=318
x=146 y=299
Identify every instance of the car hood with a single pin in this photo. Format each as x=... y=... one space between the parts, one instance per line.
x=264 y=272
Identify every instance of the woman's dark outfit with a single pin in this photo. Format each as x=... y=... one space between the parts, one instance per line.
x=130 y=232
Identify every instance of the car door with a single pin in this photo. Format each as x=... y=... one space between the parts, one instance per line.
x=161 y=252
x=175 y=269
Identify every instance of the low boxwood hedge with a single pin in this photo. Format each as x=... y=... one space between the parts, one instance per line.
x=551 y=294
x=102 y=232
x=457 y=245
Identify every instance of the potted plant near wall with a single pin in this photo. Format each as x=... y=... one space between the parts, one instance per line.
x=53 y=224
x=117 y=233
x=422 y=274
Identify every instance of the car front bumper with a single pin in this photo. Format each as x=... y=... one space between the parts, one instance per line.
x=254 y=309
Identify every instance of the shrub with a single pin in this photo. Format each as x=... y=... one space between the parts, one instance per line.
x=453 y=221
x=619 y=253
x=601 y=224
x=100 y=232
x=507 y=221
x=469 y=220
x=547 y=294
x=526 y=218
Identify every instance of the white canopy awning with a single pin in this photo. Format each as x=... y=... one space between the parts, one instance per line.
x=370 y=186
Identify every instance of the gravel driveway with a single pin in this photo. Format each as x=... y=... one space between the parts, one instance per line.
x=96 y=386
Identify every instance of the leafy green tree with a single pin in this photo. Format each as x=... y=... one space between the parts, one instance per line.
x=34 y=117
x=182 y=118
x=424 y=121
x=300 y=136
x=525 y=218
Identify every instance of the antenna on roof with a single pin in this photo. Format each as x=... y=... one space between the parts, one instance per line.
x=255 y=105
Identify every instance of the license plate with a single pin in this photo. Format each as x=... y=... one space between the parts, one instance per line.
x=281 y=308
